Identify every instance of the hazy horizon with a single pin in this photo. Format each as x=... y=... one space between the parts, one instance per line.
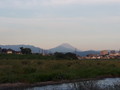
x=86 y=25
x=63 y=45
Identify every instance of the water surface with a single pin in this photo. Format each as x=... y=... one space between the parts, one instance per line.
x=104 y=84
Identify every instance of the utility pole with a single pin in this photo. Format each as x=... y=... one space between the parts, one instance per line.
x=39 y=51
x=76 y=51
x=43 y=52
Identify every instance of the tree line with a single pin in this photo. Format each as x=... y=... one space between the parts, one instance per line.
x=28 y=53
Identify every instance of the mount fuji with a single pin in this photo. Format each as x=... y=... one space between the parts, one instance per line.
x=63 y=48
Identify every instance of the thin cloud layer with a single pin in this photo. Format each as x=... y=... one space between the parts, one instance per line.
x=37 y=3
x=65 y=2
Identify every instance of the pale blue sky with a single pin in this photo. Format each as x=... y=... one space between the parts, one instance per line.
x=85 y=24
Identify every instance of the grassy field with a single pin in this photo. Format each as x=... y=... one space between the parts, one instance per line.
x=31 y=71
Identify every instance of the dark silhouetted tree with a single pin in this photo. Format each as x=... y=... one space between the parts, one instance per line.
x=59 y=55
x=69 y=56
x=25 y=50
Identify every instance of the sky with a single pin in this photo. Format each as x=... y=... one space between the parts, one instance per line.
x=85 y=24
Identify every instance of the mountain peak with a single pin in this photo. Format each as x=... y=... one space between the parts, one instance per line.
x=66 y=45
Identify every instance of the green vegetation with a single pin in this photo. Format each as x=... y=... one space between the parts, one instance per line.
x=31 y=71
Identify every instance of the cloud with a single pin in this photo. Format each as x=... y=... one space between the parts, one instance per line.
x=65 y=2
x=59 y=22
x=38 y=3
x=19 y=3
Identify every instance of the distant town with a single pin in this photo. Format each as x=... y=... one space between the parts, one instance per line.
x=104 y=54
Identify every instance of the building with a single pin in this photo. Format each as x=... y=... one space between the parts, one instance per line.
x=9 y=51
x=104 y=52
x=93 y=56
x=119 y=51
x=18 y=52
x=112 y=52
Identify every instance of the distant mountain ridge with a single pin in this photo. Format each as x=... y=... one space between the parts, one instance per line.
x=84 y=53
x=63 y=48
x=17 y=47
x=69 y=48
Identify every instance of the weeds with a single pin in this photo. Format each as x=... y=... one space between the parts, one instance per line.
x=50 y=70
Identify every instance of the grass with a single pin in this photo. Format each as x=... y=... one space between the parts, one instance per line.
x=32 y=71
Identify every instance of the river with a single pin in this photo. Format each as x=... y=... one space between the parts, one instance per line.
x=104 y=84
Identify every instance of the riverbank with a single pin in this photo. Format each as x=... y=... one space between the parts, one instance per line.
x=25 y=85
x=33 y=71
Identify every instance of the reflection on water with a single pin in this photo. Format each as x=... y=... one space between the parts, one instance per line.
x=105 y=84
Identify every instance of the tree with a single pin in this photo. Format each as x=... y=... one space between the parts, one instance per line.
x=25 y=50
x=59 y=55
x=70 y=55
